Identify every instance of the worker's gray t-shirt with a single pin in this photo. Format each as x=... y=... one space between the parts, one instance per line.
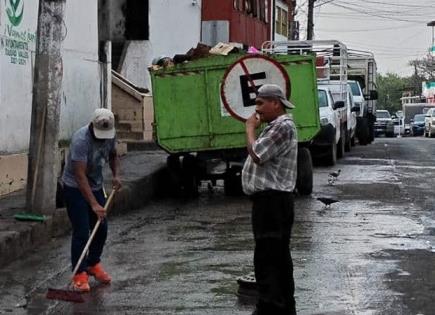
x=95 y=153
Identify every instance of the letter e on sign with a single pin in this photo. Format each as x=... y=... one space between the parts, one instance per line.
x=243 y=79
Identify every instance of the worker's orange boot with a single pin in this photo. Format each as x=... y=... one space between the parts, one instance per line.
x=100 y=275
x=81 y=282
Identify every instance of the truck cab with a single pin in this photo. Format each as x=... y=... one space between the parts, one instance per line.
x=327 y=143
x=358 y=97
x=342 y=91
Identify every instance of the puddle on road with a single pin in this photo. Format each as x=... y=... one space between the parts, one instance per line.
x=360 y=174
x=413 y=279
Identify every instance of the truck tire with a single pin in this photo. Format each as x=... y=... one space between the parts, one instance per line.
x=331 y=157
x=304 y=180
x=233 y=181
x=363 y=132
x=348 y=143
x=173 y=186
x=189 y=179
x=371 y=132
x=341 y=146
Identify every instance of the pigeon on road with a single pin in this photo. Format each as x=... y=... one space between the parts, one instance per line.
x=332 y=177
x=327 y=201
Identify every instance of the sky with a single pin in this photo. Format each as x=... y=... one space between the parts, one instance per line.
x=395 y=31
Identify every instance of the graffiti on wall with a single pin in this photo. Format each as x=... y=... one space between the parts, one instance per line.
x=16 y=41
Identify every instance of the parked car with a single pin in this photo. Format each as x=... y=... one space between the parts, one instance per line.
x=384 y=123
x=429 y=123
x=417 y=125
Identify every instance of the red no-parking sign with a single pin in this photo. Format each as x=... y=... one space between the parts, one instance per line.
x=242 y=80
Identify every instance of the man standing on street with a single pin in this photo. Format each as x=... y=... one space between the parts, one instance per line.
x=269 y=177
x=91 y=147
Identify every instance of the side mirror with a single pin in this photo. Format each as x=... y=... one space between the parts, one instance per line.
x=372 y=96
x=338 y=104
x=355 y=109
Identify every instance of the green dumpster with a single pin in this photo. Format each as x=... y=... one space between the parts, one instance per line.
x=193 y=119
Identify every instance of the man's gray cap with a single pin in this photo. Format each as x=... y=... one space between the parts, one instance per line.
x=273 y=90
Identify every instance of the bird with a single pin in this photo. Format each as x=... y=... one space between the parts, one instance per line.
x=327 y=201
x=332 y=177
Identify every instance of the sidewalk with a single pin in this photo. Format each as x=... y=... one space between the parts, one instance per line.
x=141 y=172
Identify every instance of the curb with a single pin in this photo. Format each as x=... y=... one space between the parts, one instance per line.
x=17 y=238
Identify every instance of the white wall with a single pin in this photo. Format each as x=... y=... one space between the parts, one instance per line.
x=16 y=79
x=137 y=57
x=175 y=27
x=81 y=82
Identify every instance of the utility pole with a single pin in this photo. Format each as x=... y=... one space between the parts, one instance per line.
x=105 y=51
x=44 y=130
x=310 y=23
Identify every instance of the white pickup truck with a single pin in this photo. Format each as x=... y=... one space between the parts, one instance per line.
x=329 y=143
x=343 y=92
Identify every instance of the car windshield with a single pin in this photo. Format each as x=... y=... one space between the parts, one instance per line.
x=419 y=118
x=355 y=88
x=323 y=98
x=383 y=114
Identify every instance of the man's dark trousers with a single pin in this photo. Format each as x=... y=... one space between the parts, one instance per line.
x=83 y=220
x=272 y=220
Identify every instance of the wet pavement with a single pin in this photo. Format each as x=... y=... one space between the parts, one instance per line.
x=371 y=253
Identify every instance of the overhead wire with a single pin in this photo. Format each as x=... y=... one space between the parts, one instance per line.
x=372 y=14
x=376 y=10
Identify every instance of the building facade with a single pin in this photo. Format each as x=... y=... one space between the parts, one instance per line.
x=250 y=22
x=81 y=80
x=141 y=30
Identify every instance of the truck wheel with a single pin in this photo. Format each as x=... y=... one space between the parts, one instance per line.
x=363 y=133
x=341 y=147
x=233 y=181
x=331 y=158
x=371 y=131
x=348 y=143
x=173 y=186
x=304 y=180
x=189 y=176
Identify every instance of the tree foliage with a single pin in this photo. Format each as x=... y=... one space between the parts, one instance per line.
x=390 y=89
x=391 y=86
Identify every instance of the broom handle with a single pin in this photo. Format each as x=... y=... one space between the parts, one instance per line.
x=94 y=231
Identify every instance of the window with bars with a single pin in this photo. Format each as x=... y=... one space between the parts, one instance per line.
x=256 y=8
x=281 y=21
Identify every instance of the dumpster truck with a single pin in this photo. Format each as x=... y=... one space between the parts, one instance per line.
x=200 y=108
x=361 y=74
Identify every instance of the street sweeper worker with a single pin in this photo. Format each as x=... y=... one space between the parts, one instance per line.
x=91 y=147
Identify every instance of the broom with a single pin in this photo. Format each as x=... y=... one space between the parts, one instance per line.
x=69 y=294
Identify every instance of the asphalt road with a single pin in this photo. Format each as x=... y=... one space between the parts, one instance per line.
x=371 y=253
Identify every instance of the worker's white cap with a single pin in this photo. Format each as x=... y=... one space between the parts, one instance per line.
x=104 y=124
